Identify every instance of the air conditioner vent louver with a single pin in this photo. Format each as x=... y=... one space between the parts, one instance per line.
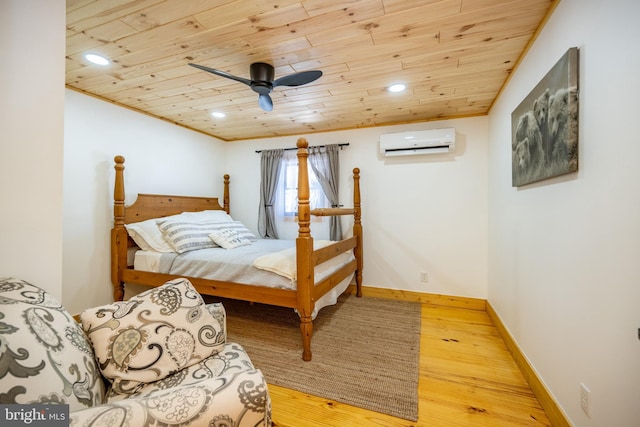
x=418 y=142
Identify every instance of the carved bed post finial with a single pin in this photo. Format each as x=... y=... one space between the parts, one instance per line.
x=118 y=192
x=225 y=197
x=356 y=195
x=304 y=215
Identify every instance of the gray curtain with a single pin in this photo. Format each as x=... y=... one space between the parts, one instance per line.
x=270 y=165
x=325 y=163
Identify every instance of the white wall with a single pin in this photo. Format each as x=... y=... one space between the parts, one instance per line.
x=159 y=158
x=426 y=213
x=31 y=140
x=563 y=254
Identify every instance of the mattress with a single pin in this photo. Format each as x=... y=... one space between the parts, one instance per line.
x=237 y=265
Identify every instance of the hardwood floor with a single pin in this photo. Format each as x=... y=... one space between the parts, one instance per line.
x=467 y=378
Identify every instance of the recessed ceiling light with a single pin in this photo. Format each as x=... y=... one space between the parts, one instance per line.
x=96 y=59
x=218 y=114
x=397 y=87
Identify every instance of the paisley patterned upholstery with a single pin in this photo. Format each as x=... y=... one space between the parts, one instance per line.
x=45 y=357
x=222 y=391
x=153 y=334
x=41 y=344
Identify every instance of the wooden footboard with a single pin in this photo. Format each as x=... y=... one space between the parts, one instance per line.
x=149 y=206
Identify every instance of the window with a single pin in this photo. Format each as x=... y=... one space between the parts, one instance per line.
x=288 y=203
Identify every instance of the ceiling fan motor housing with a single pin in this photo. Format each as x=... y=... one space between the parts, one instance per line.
x=262 y=72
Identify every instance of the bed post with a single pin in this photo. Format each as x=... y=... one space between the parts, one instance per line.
x=225 y=199
x=304 y=249
x=118 y=232
x=357 y=229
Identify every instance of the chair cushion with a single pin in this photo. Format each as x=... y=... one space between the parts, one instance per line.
x=231 y=360
x=44 y=354
x=152 y=335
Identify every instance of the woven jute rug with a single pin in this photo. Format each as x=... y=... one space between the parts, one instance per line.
x=365 y=351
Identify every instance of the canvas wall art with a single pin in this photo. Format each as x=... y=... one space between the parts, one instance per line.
x=544 y=127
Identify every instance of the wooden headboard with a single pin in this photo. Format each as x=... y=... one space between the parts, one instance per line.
x=148 y=206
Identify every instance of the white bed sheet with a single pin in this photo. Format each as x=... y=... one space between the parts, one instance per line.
x=147 y=261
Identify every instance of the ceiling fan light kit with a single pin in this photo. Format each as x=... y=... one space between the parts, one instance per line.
x=262 y=80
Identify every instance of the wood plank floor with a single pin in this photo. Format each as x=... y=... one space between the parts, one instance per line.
x=467 y=378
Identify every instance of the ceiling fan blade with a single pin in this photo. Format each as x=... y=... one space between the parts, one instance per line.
x=222 y=74
x=265 y=102
x=298 y=79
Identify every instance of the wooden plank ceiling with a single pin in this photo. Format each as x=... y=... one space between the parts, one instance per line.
x=453 y=55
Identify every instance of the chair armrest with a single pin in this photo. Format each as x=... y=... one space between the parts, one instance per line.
x=240 y=399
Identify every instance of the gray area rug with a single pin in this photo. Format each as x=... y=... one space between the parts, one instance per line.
x=365 y=351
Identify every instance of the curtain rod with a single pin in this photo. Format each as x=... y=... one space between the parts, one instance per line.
x=346 y=144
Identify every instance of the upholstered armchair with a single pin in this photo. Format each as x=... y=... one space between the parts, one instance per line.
x=159 y=359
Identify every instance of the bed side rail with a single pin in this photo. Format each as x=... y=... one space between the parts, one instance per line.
x=333 y=250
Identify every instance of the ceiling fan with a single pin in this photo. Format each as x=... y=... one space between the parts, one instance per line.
x=262 y=81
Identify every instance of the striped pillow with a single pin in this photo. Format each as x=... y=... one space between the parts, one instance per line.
x=238 y=227
x=229 y=239
x=184 y=235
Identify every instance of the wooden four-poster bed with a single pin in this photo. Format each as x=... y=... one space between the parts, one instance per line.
x=307 y=289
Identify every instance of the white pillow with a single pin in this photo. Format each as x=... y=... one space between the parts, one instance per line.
x=147 y=236
x=209 y=216
x=229 y=238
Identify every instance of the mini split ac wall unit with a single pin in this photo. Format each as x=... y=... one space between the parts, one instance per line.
x=418 y=142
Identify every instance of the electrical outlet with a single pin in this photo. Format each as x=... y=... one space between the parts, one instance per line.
x=585 y=399
x=424 y=277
